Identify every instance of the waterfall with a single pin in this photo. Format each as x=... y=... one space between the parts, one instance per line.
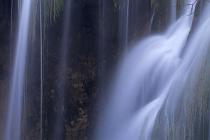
x=124 y=23
x=138 y=84
x=152 y=20
x=14 y=115
x=127 y=23
x=58 y=132
x=41 y=68
x=152 y=80
x=173 y=10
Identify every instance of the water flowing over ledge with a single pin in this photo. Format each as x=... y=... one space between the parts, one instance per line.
x=152 y=81
x=60 y=58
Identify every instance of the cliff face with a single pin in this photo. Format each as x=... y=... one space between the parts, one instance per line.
x=4 y=56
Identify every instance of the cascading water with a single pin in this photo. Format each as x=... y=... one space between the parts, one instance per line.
x=124 y=23
x=14 y=115
x=173 y=10
x=152 y=78
x=58 y=127
x=152 y=96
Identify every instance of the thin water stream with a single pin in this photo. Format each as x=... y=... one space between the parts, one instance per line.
x=17 y=89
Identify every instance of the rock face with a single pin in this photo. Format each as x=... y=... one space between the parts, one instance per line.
x=161 y=10
x=5 y=52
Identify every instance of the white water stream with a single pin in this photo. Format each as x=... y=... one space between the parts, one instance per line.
x=153 y=75
x=17 y=89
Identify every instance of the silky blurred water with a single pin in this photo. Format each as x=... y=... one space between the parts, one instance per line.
x=17 y=89
x=154 y=75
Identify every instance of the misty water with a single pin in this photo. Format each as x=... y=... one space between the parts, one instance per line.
x=152 y=78
x=17 y=89
x=64 y=83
